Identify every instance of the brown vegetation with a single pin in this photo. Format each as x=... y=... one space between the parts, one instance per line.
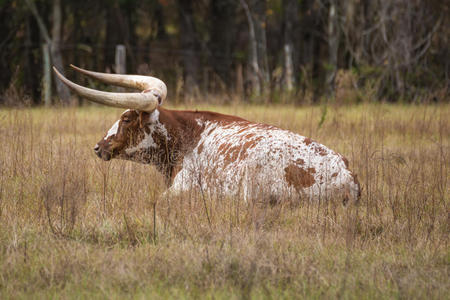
x=72 y=225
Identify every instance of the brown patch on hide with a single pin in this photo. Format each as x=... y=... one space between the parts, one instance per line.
x=300 y=161
x=356 y=181
x=298 y=177
x=311 y=170
x=345 y=160
x=239 y=152
x=174 y=172
x=200 y=148
x=251 y=143
x=322 y=152
x=231 y=154
x=223 y=148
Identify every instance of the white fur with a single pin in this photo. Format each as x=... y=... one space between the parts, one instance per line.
x=113 y=130
x=262 y=169
x=256 y=171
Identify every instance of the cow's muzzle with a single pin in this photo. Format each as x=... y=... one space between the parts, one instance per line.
x=105 y=155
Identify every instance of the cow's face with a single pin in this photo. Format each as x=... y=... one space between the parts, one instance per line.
x=126 y=136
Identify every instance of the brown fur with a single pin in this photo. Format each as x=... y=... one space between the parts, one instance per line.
x=184 y=134
x=298 y=177
x=182 y=128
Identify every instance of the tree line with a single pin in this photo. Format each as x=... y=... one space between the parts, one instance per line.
x=260 y=50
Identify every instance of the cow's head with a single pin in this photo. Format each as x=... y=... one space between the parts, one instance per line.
x=135 y=136
x=132 y=136
x=125 y=134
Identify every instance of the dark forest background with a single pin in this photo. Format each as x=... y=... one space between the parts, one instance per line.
x=292 y=51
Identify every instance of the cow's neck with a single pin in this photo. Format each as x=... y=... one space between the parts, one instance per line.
x=183 y=133
x=184 y=129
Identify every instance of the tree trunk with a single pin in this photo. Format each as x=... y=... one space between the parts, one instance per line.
x=160 y=21
x=259 y=73
x=29 y=65
x=189 y=46
x=253 y=53
x=333 y=45
x=290 y=9
x=54 y=41
x=113 y=37
x=119 y=30
x=259 y=17
x=351 y=33
x=223 y=33
x=239 y=80
x=311 y=46
x=61 y=88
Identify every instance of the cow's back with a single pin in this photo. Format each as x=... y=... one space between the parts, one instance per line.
x=258 y=160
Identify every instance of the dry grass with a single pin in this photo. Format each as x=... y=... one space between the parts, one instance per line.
x=73 y=226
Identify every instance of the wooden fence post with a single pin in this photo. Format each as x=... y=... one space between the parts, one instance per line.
x=121 y=63
x=121 y=59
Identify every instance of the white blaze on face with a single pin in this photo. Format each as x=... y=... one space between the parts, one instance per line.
x=113 y=130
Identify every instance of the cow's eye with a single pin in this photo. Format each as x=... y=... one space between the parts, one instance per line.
x=126 y=120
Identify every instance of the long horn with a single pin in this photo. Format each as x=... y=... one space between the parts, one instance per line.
x=142 y=83
x=141 y=101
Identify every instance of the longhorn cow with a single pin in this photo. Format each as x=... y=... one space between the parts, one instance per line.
x=215 y=152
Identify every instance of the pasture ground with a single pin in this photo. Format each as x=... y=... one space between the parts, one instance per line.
x=73 y=226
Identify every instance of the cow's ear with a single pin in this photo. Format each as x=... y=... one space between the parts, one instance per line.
x=156 y=93
x=143 y=116
x=160 y=100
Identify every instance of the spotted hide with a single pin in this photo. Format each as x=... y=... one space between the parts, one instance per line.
x=228 y=155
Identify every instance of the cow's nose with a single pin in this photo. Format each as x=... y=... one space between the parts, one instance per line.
x=96 y=148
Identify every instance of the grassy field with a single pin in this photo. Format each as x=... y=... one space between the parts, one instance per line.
x=73 y=226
